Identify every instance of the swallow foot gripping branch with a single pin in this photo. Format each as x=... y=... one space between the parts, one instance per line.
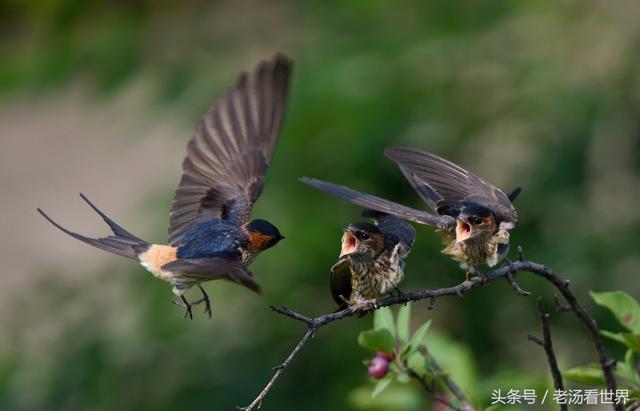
x=401 y=295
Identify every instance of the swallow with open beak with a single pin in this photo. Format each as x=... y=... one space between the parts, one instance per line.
x=371 y=260
x=211 y=234
x=474 y=215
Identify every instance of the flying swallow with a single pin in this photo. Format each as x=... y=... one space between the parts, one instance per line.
x=371 y=260
x=211 y=234
x=474 y=215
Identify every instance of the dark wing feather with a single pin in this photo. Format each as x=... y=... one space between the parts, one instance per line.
x=214 y=268
x=340 y=281
x=436 y=180
x=376 y=203
x=231 y=149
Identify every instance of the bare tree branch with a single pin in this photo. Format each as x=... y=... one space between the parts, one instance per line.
x=548 y=348
x=523 y=265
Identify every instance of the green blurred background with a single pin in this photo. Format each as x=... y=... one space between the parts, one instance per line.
x=101 y=97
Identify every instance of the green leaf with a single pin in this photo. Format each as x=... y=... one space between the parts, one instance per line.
x=589 y=374
x=383 y=318
x=623 y=306
x=405 y=351
x=628 y=359
x=626 y=374
x=632 y=341
x=397 y=397
x=402 y=322
x=418 y=337
x=613 y=336
x=381 y=385
x=376 y=340
x=418 y=363
x=403 y=378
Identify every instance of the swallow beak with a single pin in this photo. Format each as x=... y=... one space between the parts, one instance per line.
x=349 y=243
x=463 y=231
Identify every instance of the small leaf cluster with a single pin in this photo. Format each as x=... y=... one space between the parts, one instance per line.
x=407 y=351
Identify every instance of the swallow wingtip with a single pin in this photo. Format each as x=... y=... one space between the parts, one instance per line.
x=281 y=57
x=392 y=152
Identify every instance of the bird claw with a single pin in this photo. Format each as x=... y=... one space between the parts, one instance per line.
x=364 y=306
x=483 y=277
x=205 y=299
x=207 y=305
x=187 y=307
x=401 y=295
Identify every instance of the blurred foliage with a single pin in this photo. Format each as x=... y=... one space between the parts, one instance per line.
x=627 y=311
x=429 y=357
x=542 y=94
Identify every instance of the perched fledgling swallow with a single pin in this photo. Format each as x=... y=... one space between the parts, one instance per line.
x=474 y=215
x=371 y=260
x=211 y=235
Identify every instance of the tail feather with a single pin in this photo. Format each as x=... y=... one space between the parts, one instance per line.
x=514 y=194
x=121 y=243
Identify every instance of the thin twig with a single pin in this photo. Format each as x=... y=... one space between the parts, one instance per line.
x=560 y=308
x=548 y=349
x=540 y=270
x=288 y=312
x=257 y=403
x=635 y=406
x=536 y=340
x=512 y=280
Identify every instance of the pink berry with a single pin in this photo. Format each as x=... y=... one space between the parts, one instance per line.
x=388 y=357
x=378 y=368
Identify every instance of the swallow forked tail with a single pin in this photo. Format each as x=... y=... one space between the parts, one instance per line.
x=121 y=242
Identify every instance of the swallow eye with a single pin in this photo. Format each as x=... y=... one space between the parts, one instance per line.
x=363 y=236
x=475 y=220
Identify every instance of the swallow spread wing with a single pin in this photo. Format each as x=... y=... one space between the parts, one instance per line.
x=210 y=232
x=474 y=215
x=442 y=184
x=230 y=151
x=377 y=203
